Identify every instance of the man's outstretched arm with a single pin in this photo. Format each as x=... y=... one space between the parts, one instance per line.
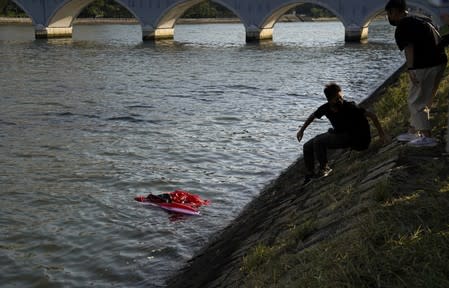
x=300 y=133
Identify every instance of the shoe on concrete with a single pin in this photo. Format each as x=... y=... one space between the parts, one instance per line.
x=423 y=142
x=407 y=137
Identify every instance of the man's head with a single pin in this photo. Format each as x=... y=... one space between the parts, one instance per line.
x=333 y=93
x=396 y=9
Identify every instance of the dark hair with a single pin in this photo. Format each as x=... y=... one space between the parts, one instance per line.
x=331 y=90
x=396 y=4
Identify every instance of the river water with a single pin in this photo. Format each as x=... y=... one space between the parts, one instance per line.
x=88 y=123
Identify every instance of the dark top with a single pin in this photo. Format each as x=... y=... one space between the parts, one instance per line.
x=349 y=119
x=422 y=34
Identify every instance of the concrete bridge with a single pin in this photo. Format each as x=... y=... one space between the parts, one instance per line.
x=54 y=18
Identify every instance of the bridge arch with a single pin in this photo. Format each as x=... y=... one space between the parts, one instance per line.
x=273 y=16
x=60 y=22
x=276 y=13
x=165 y=24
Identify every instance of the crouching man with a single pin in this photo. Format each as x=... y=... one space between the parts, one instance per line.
x=350 y=129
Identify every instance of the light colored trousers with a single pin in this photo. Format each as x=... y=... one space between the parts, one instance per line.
x=421 y=94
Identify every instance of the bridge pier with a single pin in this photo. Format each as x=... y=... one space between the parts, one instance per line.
x=354 y=33
x=256 y=34
x=42 y=32
x=149 y=33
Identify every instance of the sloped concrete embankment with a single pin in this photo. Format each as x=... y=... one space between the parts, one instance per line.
x=333 y=204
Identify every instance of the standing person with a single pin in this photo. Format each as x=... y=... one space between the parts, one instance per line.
x=350 y=129
x=426 y=61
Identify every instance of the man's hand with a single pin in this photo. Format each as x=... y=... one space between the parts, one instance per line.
x=299 y=135
x=301 y=129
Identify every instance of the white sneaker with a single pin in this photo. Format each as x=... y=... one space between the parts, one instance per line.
x=423 y=142
x=324 y=172
x=407 y=137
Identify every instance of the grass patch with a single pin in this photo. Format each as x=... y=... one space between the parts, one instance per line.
x=258 y=256
x=403 y=243
x=383 y=192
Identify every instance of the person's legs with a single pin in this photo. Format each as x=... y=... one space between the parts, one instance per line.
x=420 y=97
x=420 y=102
x=326 y=141
x=417 y=102
x=317 y=147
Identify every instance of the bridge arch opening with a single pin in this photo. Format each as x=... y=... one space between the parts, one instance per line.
x=105 y=9
x=60 y=23
x=301 y=12
x=11 y=9
x=204 y=12
x=293 y=18
x=82 y=9
x=90 y=24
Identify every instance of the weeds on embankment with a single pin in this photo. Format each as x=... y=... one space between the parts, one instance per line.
x=402 y=237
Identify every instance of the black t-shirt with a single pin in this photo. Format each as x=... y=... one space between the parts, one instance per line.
x=420 y=32
x=349 y=119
